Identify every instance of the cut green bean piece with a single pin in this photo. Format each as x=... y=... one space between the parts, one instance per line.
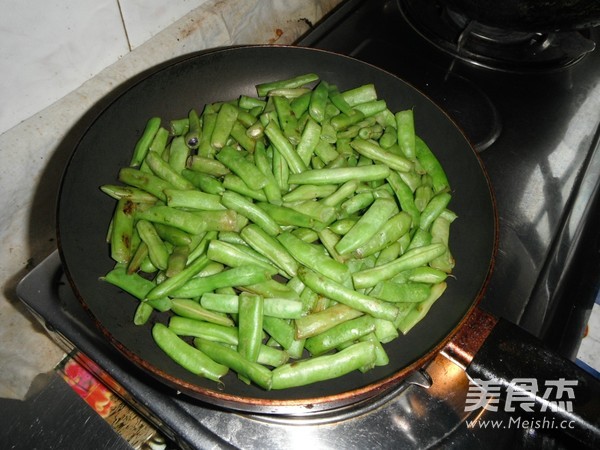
x=385 y=236
x=285 y=148
x=191 y=309
x=318 y=322
x=234 y=277
x=348 y=331
x=431 y=165
x=405 y=127
x=243 y=168
x=143 y=144
x=270 y=247
x=192 y=199
x=324 y=367
x=313 y=257
x=340 y=175
x=369 y=223
x=185 y=326
x=224 y=122
x=121 y=238
x=250 y=320
x=348 y=296
x=185 y=355
x=145 y=181
x=248 y=209
x=263 y=89
x=420 y=310
x=248 y=369
x=412 y=258
x=372 y=150
x=157 y=251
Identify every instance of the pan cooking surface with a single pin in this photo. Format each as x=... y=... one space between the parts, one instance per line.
x=169 y=91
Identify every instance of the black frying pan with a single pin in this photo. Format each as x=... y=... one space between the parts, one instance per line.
x=169 y=91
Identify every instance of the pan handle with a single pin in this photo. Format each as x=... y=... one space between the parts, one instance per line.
x=534 y=384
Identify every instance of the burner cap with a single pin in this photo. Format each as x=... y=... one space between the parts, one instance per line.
x=491 y=47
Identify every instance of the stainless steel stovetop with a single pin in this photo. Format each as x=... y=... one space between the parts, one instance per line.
x=537 y=133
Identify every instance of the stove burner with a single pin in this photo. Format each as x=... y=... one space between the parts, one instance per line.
x=492 y=47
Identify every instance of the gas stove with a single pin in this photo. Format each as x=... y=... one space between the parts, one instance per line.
x=534 y=122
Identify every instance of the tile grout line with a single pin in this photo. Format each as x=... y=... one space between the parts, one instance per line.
x=124 y=25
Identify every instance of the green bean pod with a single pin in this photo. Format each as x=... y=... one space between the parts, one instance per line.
x=185 y=355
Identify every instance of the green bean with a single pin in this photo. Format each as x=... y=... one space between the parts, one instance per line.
x=263 y=89
x=406 y=132
x=405 y=196
x=282 y=308
x=235 y=184
x=243 y=168
x=433 y=209
x=177 y=260
x=385 y=331
x=129 y=193
x=176 y=281
x=271 y=189
x=135 y=285
x=226 y=117
x=373 y=151
x=248 y=209
x=423 y=195
x=142 y=313
x=371 y=107
x=205 y=182
x=234 y=255
x=348 y=296
x=322 y=213
x=309 y=192
x=440 y=232
x=341 y=175
x=270 y=356
x=432 y=166
x=185 y=355
x=179 y=127
x=311 y=256
x=121 y=235
x=287 y=119
x=192 y=137
x=248 y=369
x=145 y=181
x=192 y=199
x=205 y=149
x=157 y=251
x=281 y=330
x=416 y=314
x=250 y=319
x=390 y=232
x=321 y=321
x=191 y=309
x=389 y=253
x=309 y=139
x=360 y=94
x=401 y=292
x=191 y=222
x=184 y=326
x=412 y=258
x=318 y=101
x=269 y=247
x=240 y=134
x=369 y=223
x=143 y=144
x=285 y=148
x=163 y=170
x=324 y=367
x=347 y=331
x=234 y=277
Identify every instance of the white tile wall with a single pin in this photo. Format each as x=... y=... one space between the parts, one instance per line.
x=48 y=48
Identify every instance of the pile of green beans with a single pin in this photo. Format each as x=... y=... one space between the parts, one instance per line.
x=286 y=237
